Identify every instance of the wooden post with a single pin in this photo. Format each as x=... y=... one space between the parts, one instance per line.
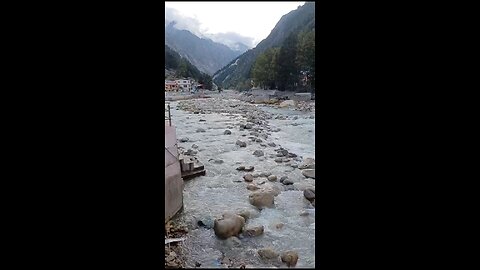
x=169 y=116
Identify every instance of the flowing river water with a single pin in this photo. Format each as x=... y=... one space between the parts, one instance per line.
x=222 y=189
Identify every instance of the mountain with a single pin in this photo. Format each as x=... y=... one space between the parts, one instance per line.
x=179 y=67
x=239 y=48
x=208 y=56
x=239 y=69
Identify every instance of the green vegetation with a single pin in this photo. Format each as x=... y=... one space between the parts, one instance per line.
x=184 y=69
x=265 y=69
x=285 y=67
x=235 y=73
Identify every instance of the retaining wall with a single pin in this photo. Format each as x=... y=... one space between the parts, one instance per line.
x=173 y=175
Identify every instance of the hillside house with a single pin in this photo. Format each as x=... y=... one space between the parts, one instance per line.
x=184 y=85
x=171 y=86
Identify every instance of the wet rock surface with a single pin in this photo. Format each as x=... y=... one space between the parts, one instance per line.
x=248 y=177
x=272 y=178
x=261 y=199
x=241 y=143
x=290 y=258
x=309 y=194
x=254 y=231
x=229 y=225
x=309 y=173
x=267 y=253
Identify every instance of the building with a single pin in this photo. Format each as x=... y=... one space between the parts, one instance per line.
x=171 y=86
x=184 y=85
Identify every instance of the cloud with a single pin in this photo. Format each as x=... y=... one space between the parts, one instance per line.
x=183 y=22
x=231 y=38
x=195 y=26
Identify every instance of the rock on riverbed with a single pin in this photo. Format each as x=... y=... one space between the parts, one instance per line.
x=241 y=143
x=290 y=258
x=228 y=225
x=253 y=231
x=309 y=173
x=267 y=253
x=261 y=199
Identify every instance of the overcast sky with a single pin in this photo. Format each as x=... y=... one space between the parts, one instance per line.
x=247 y=22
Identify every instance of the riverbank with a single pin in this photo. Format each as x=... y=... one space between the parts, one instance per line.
x=278 y=100
x=260 y=168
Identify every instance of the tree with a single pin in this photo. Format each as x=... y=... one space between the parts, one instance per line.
x=264 y=71
x=273 y=67
x=259 y=71
x=287 y=67
x=305 y=58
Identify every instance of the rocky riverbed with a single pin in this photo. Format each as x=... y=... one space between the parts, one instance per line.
x=255 y=207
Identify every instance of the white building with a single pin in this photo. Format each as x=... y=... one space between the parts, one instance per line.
x=184 y=84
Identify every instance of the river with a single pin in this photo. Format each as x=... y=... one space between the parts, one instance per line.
x=222 y=189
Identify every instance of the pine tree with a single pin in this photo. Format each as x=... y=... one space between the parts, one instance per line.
x=287 y=68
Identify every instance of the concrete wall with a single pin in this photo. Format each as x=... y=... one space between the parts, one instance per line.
x=173 y=176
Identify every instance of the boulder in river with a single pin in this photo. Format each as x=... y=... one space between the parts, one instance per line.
x=248 y=177
x=290 y=258
x=253 y=231
x=249 y=168
x=241 y=143
x=272 y=144
x=184 y=139
x=252 y=187
x=309 y=173
x=241 y=168
x=261 y=199
x=278 y=159
x=229 y=225
x=258 y=153
x=308 y=163
x=200 y=130
x=267 y=253
x=282 y=153
x=272 y=178
x=194 y=146
x=287 y=182
x=283 y=178
x=206 y=222
x=227 y=132
x=309 y=194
